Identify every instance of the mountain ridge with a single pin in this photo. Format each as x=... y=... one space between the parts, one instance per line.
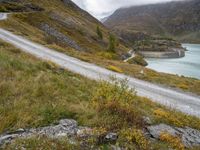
x=179 y=19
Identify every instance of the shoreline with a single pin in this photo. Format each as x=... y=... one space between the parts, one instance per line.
x=187 y=66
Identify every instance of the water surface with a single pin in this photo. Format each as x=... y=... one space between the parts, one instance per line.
x=188 y=66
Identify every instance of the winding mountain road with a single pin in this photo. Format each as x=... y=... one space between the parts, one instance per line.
x=184 y=102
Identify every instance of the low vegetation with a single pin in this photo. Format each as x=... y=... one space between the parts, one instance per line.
x=112 y=43
x=43 y=143
x=99 y=33
x=3 y=9
x=117 y=103
x=175 y=142
x=130 y=136
x=115 y=69
x=34 y=93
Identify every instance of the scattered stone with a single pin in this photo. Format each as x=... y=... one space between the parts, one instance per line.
x=7 y=138
x=147 y=120
x=84 y=132
x=111 y=137
x=69 y=128
x=125 y=56
x=190 y=137
x=65 y=128
x=50 y=31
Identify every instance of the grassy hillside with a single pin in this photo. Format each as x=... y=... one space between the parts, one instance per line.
x=63 y=26
x=62 y=23
x=179 y=20
x=34 y=93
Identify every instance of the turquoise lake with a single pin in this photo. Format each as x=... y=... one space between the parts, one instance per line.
x=188 y=66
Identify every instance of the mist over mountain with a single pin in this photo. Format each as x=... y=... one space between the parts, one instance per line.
x=103 y=8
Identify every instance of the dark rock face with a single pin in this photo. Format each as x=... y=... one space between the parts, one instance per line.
x=190 y=137
x=60 y=36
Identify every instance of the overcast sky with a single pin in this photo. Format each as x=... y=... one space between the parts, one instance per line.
x=103 y=8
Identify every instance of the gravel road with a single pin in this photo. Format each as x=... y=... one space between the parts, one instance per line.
x=184 y=102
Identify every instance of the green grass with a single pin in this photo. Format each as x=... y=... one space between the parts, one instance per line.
x=42 y=143
x=36 y=93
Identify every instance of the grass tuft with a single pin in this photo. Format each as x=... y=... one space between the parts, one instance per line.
x=114 y=68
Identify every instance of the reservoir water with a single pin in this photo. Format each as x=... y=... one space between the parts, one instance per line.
x=188 y=66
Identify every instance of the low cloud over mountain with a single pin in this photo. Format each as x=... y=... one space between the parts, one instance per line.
x=103 y=8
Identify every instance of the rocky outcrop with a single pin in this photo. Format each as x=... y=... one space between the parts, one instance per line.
x=50 y=31
x=69 y=129
x=66 y=128
x=190 y=137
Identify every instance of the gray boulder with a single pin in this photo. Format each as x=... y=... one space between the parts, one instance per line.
x=157 y=130
x=190 y=137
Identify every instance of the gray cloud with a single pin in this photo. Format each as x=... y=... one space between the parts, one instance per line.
x=103 y=8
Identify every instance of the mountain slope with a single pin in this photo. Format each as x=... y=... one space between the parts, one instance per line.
x=59 y=22
x=180 y=20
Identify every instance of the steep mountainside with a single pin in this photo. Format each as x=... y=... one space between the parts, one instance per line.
x=62 y=23
x=180 y=20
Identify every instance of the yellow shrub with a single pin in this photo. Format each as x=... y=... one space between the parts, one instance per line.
x=161 y=114
x=175 y=142
x=95 y=136
x=107 y=55
x=183 y=86
x=115 y=69
x=118 y=103
x=135 y=136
